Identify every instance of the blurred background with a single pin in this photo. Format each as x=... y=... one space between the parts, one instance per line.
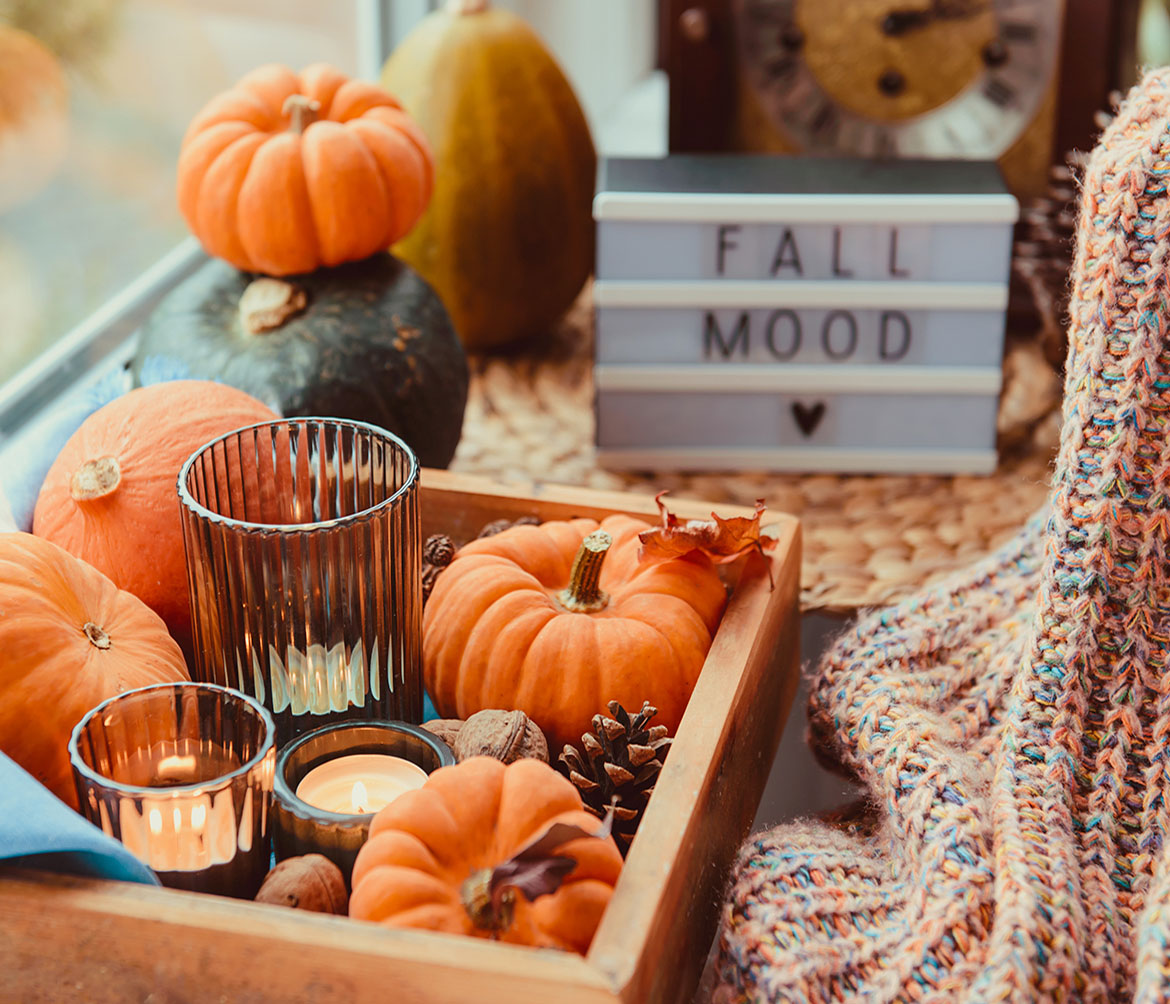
x=136 y=72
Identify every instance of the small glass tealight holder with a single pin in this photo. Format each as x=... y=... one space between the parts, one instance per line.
x=182 y=774
x=330 y=784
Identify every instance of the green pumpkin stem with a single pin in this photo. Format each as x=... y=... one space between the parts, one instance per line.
x=584 y=594
x=302 y=112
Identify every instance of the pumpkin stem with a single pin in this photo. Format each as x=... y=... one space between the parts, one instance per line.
x=535 y=870
x=458 y=7
x=95 y=479
x=489 y=910
x=267 y=303
x=97 y=637
x=583 y=594
x=303 y=111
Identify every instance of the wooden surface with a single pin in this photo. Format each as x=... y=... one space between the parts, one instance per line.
x=102 y=942
x=652 y=937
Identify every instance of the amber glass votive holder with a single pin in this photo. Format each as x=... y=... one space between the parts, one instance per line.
x=301 y=828
x=304 y=568
x=182 y=775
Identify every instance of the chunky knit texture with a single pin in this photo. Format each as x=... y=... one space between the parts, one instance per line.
x=1012 y=728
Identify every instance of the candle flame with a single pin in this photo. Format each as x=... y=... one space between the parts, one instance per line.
x=177 y=768
x=359 y=797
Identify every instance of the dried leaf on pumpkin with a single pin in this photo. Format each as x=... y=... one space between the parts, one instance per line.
x=535 y=870
x=722 y=540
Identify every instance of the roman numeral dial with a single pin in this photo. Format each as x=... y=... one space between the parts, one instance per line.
x=904 y=78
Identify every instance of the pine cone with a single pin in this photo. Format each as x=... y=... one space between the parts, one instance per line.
x=1042 y=252
x=439 y=550
x=438 y=553
x=621 y=763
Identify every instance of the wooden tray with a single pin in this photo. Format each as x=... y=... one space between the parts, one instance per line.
x=96 y=941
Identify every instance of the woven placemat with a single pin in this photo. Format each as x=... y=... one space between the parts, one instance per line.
x=868 y=540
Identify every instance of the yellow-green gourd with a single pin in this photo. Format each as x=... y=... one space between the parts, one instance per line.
x=507 y=241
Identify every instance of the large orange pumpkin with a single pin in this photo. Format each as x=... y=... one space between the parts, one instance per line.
x=34 y=116
x=286 y=173
x=431 y=848
x=69 y=639
x=111 y=496
x=499 y=631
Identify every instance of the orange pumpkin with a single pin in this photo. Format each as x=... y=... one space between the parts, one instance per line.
x=285 y=173
x=69 y=639
x=431 y=850
x=34 y=117
x=534 y=619
x=111 y=496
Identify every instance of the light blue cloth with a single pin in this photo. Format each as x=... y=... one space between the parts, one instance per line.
x=38 y=830
x=429 y=711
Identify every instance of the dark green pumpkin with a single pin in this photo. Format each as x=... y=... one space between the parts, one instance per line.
x=369 y=341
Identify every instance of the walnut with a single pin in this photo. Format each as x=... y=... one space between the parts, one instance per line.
x=310 y=882
x=444 y=728
x=505 y=735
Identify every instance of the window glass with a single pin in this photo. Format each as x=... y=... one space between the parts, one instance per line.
x=87 y=188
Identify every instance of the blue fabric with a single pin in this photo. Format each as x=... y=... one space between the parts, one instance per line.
x=160 y=369
x=429 y=711
x=38 y=830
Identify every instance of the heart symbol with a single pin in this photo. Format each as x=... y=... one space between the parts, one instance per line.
x=807 y=419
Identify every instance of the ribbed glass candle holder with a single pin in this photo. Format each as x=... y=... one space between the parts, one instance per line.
x=304 y=570
x=182 y=774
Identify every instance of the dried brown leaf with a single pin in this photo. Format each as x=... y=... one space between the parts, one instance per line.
x=722 y=540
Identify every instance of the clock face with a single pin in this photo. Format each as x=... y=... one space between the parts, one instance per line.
x=905 y=78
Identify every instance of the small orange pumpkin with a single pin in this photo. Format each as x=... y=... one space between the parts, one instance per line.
x=431 y=851
x=285 y=173
x=111 y=496
x=69 y=639
x=555 y=620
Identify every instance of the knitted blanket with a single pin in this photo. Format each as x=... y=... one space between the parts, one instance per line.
x=1012 y=728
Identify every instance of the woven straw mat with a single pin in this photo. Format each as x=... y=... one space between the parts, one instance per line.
x=868 y=540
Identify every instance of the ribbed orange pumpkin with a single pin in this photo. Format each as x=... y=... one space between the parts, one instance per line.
x=111 y=495
x=285 y=173
x=497 y=632
x=69 y=638
x=425 y=845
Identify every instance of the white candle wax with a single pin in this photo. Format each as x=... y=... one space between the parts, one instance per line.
x=359 y=783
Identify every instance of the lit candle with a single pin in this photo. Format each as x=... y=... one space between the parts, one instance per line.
x=359 y=783
x=327 y=777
